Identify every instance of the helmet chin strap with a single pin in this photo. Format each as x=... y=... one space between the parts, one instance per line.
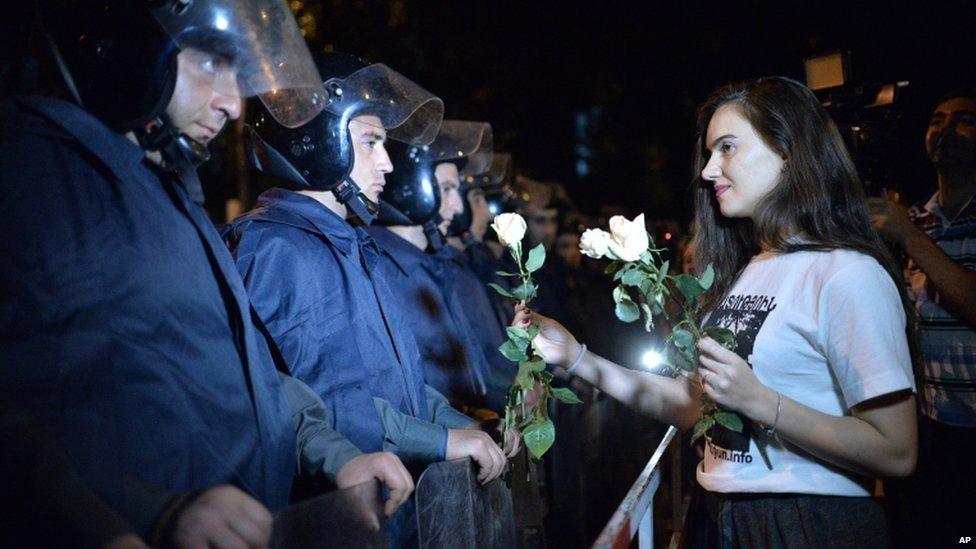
x=435 y=238
x=349 y=194
x=181 y=153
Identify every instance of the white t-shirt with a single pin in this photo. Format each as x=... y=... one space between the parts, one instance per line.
x=826 y=329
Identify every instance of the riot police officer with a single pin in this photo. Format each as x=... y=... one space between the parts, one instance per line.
x=309 y=268
x=127 y=332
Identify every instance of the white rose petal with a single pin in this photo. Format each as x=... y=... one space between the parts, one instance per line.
x=594 y=242
x=628 y=239
x=510 y=228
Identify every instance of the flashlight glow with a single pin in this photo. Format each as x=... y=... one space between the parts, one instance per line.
x=651 y=359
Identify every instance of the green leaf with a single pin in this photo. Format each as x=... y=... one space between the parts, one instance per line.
x=729 y=420
x=566 y=395
x=646 y=286
x=702 y=427
x=539 y=437
x=706 y=279
x=511 y=351
x=515 y=332
x=627 y=311
x=619 y=293
x=500 y=290
x=632 y=277
x=524 y=378
x=683 y=339
x=537 y=256
x=663 y=272
x=525 y=291
x=619 y=274
x=534 y=331
x=724 y=336
x=534 y=364
x=613 y=267
x=503 y=273
x=680 y=360
x=688 y=286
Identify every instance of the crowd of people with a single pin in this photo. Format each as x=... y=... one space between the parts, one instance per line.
x=175 y=382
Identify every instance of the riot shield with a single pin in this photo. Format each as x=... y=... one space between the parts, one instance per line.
x=344 y=518
x=454 y=511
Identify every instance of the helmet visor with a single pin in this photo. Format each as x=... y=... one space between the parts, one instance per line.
x=499 y=173
x=257 y=49
x=463 y=139
x=408 y=113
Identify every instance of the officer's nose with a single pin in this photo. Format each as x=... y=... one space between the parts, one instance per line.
x=228 y=104
x=383 y=162
x=458 y=206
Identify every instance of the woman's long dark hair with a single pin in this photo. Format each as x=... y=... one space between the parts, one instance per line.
x=819 y=194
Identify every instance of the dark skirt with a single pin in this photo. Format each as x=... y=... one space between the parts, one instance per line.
x=786 y=521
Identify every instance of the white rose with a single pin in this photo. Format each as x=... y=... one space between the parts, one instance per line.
x=510 y=228
x=594 y=243
x=628 y=239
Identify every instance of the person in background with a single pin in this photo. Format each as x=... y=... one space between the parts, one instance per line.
x=939 y=239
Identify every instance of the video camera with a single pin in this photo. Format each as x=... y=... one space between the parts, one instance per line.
x=868 y=115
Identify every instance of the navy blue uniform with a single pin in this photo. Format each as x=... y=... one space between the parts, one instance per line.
x=124 y=326
x=310 y=276
x=452 y=357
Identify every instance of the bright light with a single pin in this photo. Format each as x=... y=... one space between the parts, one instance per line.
x=667 y=236
x=221 y=22
x=651 y=359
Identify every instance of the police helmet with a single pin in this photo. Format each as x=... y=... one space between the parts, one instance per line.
x=319 y=155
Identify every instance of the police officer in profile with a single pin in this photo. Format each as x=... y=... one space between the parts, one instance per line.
x=310 y=269
x=126 y=331
x=420 y=200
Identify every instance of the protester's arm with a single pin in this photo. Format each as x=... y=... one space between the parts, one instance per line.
x=956 y=284
x=673 y=401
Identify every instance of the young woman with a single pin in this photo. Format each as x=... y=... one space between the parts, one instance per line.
x=822 y=372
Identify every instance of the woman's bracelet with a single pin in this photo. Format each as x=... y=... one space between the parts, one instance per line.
x=579 y=358
x=779 y=407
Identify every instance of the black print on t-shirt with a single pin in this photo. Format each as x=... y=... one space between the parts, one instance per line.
x=744 y=315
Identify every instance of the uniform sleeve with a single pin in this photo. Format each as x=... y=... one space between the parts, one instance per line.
x=862 y=332
x=410 y=438
x=442 y=413
x=321 y=449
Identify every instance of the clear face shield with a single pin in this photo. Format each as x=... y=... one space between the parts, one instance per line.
x=255 y=49
x=462 y=139
x=498 y=173
x=409 y=113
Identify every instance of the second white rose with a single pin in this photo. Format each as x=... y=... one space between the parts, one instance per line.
x=628 y=239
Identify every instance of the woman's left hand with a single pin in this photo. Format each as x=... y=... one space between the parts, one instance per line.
x=728 y=379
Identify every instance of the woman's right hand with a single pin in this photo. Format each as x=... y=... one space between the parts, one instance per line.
x=557 y=345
